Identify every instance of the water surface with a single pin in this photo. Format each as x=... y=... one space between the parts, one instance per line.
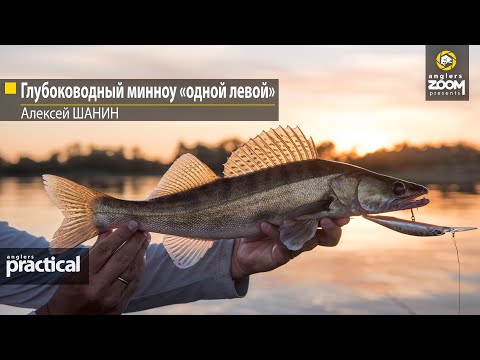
x=372 y=271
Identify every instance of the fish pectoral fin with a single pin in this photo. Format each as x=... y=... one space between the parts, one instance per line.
x=294 y=233
x=185 y=251
x=187 y=172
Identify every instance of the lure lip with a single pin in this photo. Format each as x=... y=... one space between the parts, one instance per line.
x=461 y=228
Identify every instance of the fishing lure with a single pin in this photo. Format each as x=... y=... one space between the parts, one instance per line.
x=415 y=228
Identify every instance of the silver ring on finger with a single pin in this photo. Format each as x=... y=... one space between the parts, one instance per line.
x=123 y=280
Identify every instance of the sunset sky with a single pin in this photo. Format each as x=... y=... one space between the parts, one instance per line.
x=365 y=97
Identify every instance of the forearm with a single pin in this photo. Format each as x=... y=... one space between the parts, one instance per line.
x=165 y=284
x=27 y=296
x=162 y=284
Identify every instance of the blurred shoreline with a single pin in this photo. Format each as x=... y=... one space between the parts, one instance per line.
x=443 y=164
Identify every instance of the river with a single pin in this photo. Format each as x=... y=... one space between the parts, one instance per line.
x=373 y=270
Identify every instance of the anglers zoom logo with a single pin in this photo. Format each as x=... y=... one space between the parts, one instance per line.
x=446 y=60
x=447 y=72
x=38 y=266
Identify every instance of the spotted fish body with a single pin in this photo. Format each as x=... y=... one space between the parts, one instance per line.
x=232 y=207
x=273 y=177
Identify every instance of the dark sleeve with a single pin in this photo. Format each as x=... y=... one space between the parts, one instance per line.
x=165 y=284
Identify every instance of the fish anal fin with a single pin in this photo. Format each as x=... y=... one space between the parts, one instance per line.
x=275 y=147
x=184 y=251
x=187 y=172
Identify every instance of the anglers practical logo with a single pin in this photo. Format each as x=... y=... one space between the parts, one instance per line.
x=447 y=73
x=446 y=60
x=38 y=266
x=28 y=264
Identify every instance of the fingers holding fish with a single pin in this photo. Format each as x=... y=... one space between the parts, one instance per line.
x=117 y=294
x=132 y=275
x=270 y=230
x=279 y=250
x=330 y=233
x=342 y=221
x=103 y=236
x=121 y=260
x=119 y=269
x=108 y=244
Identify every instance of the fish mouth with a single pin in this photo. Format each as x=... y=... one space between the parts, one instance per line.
x=410 y=202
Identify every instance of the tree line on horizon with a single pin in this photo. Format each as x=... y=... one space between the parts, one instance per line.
x=75 y=159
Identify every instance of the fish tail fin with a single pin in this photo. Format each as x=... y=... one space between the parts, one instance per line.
x=76 y=203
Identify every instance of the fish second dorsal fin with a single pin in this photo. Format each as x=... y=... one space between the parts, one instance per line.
x=187 y=172
x=275 y=147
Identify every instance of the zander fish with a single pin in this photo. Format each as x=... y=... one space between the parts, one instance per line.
x=273 y=177
x=413 y=227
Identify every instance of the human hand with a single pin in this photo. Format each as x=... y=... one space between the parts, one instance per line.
x=118 y=254
x=266 y=252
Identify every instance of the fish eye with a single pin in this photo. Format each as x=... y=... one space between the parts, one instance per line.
x=399 y=188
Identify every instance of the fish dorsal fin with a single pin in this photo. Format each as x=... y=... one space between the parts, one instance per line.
x=187 y=172
x=275 y=147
